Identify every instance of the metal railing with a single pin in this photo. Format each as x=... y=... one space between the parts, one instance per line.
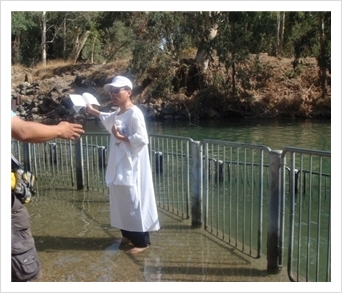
x=234 y=187
x=170 y=157
x=65 y=164
x=240 y=193
x=308 y=206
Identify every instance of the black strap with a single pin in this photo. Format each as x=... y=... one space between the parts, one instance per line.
x=15 y=163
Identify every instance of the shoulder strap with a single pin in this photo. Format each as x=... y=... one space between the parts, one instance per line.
x=15 y=163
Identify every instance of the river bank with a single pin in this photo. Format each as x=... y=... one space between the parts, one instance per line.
x=276 y=89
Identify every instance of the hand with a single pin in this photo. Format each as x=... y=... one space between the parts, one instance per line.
x=89 y=108
x=116 y=132
x=70 y=130
x=118 y=135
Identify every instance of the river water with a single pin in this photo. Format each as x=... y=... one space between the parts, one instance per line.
x=276 y=134
x=71 y=228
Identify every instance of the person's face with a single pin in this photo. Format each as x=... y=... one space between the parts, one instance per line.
x=119 y=95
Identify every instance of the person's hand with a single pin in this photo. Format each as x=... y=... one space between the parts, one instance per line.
x=70 y=130
x=89 y=108
x=118 y=135
x=116 y=132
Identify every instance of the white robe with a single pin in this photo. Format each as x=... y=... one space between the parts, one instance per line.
x=128 y=175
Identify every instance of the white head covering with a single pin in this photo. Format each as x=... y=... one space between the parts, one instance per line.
x=118 y=81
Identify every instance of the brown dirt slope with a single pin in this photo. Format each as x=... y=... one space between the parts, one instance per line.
x=266 y=87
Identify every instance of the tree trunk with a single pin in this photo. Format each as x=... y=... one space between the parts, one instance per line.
x=64 y=39
x=78 y=44
x=280 y=32
x=203 y=56
x=75 y=44
x=322 y=62
x=92 y=50
x=43 y=42
x=16 y=49
x=233 y=75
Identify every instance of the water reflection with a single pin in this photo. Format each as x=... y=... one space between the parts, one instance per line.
x=76 y=244
x=153 y=270
x=114 y=249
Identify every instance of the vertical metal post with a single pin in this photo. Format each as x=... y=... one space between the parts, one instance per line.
x=159 y=162
x=274 y=252
x=53 y=153
x=27 y=156
x=197 y=185
x=79 y=163
x=219 y=170
x=102 y=156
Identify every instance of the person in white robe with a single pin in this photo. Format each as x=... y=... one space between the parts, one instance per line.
x=133 y=207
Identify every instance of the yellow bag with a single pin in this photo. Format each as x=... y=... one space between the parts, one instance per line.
x=22 y=182
x=13 y=180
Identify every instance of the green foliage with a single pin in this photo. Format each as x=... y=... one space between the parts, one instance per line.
x=25 y=38
x=219 y=81
x=233 y=41
x=143 y=57
x=173 y=32
x=21 y=21
x=92 y=51
x=117 y=41
x=153 y=42
x=324 y=55
x=260 y=30
x=162 y=88
x=303 y=33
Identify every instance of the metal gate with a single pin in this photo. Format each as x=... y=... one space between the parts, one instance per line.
x=306 y=190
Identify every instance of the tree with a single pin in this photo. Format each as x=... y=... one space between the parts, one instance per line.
x=311 y=36
x=280 y=31
x=52 y=24
x=21 y=22
x=233 y=43
x=78 y=43
x=77 y=28
x=182 y=49
x=204 y=50
x=324 y=59
x=43 y=43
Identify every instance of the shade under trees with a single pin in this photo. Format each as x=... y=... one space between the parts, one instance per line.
x=196 y=40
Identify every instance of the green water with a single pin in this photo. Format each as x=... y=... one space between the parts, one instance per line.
x=276 y=134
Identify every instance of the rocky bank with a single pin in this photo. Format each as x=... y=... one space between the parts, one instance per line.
x=276 y=89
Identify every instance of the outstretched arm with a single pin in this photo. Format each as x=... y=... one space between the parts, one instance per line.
x=91 y=110
x=34 y=132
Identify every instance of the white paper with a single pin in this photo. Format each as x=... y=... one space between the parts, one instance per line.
x=81 y=101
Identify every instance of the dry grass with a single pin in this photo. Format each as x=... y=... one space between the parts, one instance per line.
x=18 y=73
x=59 y=67
x=42 y=71
x=21 y=73
x=268 y=90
